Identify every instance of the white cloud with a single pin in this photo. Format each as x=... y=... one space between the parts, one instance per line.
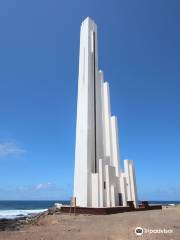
x=37 y=187
x=10 y=149
x=43 y=186
x=41 y=191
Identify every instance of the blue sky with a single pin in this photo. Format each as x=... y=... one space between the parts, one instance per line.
x=139 y=53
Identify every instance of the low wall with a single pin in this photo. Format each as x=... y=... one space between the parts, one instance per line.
x=106 y=210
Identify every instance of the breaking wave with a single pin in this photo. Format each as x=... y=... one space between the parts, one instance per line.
x=13 y=214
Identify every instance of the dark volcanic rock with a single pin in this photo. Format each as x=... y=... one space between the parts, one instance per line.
x=11 y=224
x=16 y=224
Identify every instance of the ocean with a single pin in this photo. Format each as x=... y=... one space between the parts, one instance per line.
x=15 y=209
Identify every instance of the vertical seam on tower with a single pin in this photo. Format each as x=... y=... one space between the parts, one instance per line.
x=94 y=101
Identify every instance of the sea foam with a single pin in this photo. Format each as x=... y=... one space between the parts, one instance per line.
x=12 y=214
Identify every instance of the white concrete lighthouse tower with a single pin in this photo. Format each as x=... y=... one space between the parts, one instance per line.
x=98 y=178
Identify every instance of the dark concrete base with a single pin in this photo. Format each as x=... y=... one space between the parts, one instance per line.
x=107 y=210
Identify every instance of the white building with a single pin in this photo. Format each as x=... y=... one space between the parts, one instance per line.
x=98 y=178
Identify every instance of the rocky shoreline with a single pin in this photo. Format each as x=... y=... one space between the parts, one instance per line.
x=17 y=223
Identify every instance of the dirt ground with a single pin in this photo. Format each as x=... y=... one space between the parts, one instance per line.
x=110 y=227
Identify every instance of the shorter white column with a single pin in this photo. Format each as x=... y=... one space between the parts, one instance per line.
x=123 y=186
x=112 y=196
x=95 y=189
x=133 y=184
x=101 y=184
x=107 y=186
x=128 y=182
x=117 y=190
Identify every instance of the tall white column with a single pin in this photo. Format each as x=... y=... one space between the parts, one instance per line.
x=99 y=118
x=107 y=122
x=85 y=124
x=98 y=178
x=115 y=144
